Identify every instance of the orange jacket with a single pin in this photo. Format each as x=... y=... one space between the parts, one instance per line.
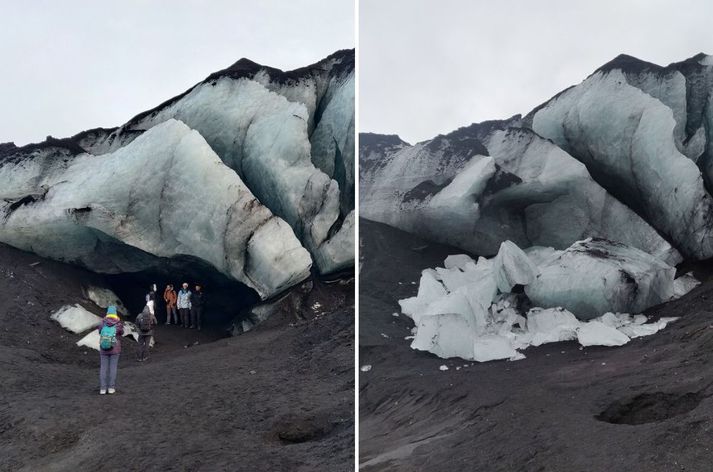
x=169 y=296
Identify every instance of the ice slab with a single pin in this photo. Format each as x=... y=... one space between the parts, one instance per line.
x=596 y=276
x=103 y=298
x=76 y=318
x=596 y=333
x=684 y=284
x=512 y=267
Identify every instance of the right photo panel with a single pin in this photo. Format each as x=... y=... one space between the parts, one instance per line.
x=535 y=236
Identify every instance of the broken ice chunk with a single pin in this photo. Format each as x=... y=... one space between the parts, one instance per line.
x=512 y=267
x=596 y=333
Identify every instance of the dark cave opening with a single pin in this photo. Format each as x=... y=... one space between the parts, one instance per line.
x=224 y=298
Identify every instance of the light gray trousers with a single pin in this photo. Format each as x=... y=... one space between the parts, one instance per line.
x=107 y=370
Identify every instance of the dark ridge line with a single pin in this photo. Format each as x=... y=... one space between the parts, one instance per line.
x=343 y=61
x=246 y=68
x=627 y=64
x=370 y=139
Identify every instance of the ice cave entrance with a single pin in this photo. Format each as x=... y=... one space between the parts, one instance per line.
x=226 y=299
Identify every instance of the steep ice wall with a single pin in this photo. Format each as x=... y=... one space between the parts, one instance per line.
x=333 y=138
x=686 y=88
x=290 y=137
x=165 y=195
x=628 y=140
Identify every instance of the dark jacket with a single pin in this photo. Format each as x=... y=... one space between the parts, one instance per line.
x=198 y=299
x=153 y=321
x=119 y=331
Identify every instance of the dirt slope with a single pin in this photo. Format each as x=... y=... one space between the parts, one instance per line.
x=277 y=398
x=645 y=406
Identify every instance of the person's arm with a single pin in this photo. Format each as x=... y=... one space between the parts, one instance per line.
x=120 y=328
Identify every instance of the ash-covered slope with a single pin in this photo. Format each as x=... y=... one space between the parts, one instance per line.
x=625 y=155
x=234 y=404
x=561 y=409
x=155 y=188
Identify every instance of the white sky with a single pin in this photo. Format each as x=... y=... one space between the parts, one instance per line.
x=72 y=65
x=429 y=67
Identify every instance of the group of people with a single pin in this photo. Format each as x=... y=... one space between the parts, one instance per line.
x=186 y=303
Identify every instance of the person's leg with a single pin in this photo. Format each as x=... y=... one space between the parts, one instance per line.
x=186 y=315
x=103 y=366
x=199 y=315
x=142 y=340
x=193 y=317
x=168 y=315
x=113 y=368
x=175 y=314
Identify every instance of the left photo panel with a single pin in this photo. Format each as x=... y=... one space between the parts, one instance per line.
x=177 y=248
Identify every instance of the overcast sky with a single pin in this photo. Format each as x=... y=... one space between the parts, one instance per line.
x=71 y=65
x=429 y=67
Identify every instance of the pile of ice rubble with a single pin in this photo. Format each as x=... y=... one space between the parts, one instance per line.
x=78 y=320
x=477 y=311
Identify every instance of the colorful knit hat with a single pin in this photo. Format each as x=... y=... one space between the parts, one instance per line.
x=111 y=311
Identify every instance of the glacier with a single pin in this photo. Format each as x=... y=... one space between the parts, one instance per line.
x=606 y=187
x=290 y=137
x=626 y=155
x=514 y=185
x=150 y=200
x=627 y=139
x=261 y=188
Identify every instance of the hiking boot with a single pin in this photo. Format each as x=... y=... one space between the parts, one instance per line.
x=102 y=391
x=111 y=391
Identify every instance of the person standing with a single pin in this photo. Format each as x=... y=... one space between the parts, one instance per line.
x=184 y=304
x=151 y=299
x=110 y=332
x=169 y=296
x=146 y=321
x=197 y=304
